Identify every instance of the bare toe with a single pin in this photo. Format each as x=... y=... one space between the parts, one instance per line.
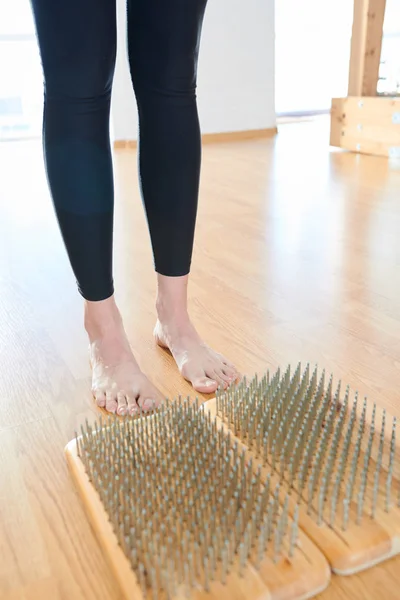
x=203 y=367
x=111 y=402
x=204 y=385
x=100 y=398
x=147 y=404
x=122 y=407
x=227 y=363
x=213 y=374
x=226 y=380
x=133 y=408
x=230 y=373
x=115 y=370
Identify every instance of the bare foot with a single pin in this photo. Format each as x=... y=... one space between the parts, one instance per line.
x=118 y=384
x=203 y=367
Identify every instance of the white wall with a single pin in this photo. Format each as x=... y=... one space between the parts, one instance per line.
x=236 y=70
x=124 y=122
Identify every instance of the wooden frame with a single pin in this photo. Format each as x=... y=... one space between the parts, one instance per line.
x=366 y=44
x=370 y=125
x=300 y=577
x=349 y=551
x=365 y=122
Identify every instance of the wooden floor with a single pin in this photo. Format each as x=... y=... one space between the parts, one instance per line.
x=297 y=259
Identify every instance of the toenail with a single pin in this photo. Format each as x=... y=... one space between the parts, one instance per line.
x=149 y=405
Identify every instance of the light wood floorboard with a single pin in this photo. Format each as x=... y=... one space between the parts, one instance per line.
x=297 y=259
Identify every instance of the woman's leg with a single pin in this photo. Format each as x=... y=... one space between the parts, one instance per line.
x=164 y=40
x=77 y=42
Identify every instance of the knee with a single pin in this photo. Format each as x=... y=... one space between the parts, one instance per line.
x=172 y=82
x=83 y=83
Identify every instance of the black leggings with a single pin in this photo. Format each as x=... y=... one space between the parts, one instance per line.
x=77 y=40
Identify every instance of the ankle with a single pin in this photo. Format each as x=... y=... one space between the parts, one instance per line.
x=102 y=318
x=169 y=313
x=171 y=301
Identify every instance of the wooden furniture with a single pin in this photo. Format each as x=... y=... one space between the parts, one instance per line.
x=364 y=122
x=370 y=125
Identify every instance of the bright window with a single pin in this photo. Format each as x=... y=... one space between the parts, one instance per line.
x=313 y=39
x=21 y=80
x=389 y=73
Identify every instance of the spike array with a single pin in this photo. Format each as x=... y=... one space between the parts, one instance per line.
x=308 y=436
x=184 y=500
x=321 y=446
